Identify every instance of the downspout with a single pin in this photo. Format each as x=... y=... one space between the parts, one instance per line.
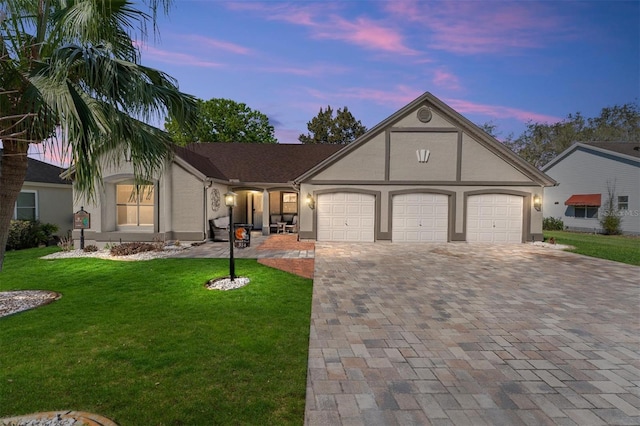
x=207 y=185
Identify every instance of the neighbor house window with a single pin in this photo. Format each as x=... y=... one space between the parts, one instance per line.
x=289 y=202
x=623 y=202
x=26 y=206
x=135 y=204
x=587 y=212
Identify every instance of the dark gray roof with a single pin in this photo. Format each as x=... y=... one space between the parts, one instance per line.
x=41 y=172
x=254 y=162
x=627 y=148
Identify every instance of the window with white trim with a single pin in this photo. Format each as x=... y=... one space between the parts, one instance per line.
x=623 y=202
x=26 y=207
x=135 y=204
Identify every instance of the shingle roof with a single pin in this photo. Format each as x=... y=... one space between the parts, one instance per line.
x=39 y=171
x=627 y=148
x=259 y=163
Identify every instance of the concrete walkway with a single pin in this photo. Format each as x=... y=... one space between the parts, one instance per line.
x=463 y=334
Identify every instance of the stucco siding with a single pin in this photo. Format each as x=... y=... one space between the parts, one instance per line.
x=584 y=172
x=480 y=164
x=411 y=120
x=403 y=160
x=216 y=209
x=366 y=162
x=55 y=205
x=187 y=201
x=532 y=218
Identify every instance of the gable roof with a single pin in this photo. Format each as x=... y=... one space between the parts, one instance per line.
x=623 y=151
x=254 y=163
x=631 y=149
x=41 y=172
x=481 y=136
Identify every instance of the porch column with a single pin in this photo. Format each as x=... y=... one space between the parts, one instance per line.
x=265 y=212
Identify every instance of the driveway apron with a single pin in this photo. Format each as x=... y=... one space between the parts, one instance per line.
x=472 y=334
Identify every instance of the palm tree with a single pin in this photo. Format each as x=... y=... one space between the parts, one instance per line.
x=70 y=71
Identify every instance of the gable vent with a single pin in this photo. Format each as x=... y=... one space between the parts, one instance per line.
x=424 y=114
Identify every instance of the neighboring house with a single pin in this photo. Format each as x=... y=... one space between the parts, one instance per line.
x=424 y=174
x=45 y=196
x=587 y=174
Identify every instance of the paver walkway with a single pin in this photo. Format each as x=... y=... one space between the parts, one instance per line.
x=463 y=334
x=282 y=252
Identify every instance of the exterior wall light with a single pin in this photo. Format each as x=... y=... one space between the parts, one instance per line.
x=537 y=202
x=230 y=201
x=310 y=201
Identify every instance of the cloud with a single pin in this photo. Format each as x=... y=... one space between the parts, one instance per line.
x=323 y=22
x=199 y=40
x=500 y=112
x=446 y=80
x=174 y=58
x=318 y=70
x=484 y=27
x=401 y=95
x=365 y=33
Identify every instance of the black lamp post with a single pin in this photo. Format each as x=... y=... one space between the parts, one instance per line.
x=230 y=201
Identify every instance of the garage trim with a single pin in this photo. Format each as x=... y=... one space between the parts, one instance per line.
x=376 y=220
x=451 y=213
x=526 y=208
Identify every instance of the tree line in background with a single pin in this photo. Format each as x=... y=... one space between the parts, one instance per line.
x=224 y=120
x=326 y=128
x=541 y=143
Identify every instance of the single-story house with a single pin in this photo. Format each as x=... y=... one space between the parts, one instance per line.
x=587 y=174
x=425 y=173
x=45 y=196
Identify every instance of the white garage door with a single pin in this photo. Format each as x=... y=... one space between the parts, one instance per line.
x=494 y=218
x=346 y=217
x=420 y=218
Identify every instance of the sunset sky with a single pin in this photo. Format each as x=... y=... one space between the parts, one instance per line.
x=504 y=62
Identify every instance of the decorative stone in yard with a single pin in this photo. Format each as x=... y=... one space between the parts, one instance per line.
x=12 y=302
x=58 y=418
x=226 y=283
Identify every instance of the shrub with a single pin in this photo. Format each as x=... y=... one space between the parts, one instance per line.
x=66 y=243
x=611 y=224
x=27 y=234
x=126 y=249
x=552 y=224
x=90 y=248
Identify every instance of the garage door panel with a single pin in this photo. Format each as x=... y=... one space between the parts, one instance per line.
x=346 y=217
x=494 y=218
x=420 y=218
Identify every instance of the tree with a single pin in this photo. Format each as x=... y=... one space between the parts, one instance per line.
x=69 y=70
x=540 y=143
x=223 y=120
x=325 y=128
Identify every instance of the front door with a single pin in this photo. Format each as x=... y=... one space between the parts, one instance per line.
x=257 y=211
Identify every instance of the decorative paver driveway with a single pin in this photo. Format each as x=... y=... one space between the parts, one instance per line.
x=471 y=335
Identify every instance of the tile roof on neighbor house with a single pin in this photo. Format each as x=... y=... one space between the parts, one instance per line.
x=627 y=148
x=255 y=162
x=41 y=172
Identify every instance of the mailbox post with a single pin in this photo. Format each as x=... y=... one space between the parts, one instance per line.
x=81 y=221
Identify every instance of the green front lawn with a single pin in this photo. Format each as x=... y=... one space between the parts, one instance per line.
x=613 y=247
x=145 y=343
